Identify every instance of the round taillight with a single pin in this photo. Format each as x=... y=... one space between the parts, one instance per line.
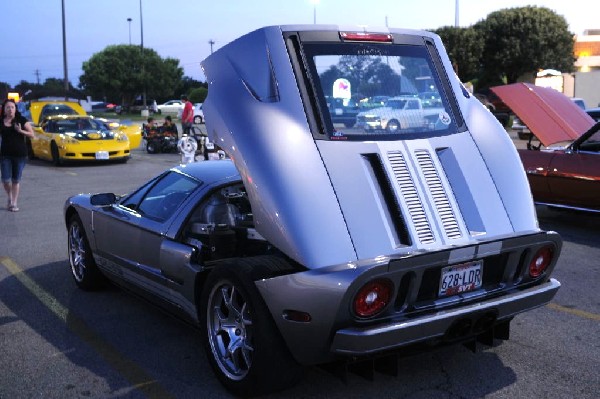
x=540 y=261
x=373 y=297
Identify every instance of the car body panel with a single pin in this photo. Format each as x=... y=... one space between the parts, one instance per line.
x=550 y=115
x=92 y=143
x=132 y=130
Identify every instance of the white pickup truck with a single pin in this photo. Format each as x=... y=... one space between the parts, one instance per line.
x=400 y=113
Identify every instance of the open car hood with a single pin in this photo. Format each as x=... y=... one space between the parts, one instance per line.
x=550 y=115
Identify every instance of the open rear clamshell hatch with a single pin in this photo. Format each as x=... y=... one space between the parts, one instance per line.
x=408 y=175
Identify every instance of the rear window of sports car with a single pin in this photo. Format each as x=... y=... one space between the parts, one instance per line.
x=379 y=91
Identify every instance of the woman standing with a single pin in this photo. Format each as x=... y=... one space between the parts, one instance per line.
x=14 y=130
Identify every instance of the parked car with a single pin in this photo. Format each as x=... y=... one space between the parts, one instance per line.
x=594 y=113
x=138 y=106
x=379 y=242
x=399 y=113
x=62 y=138
x=564 y=168
x=170 y=107
x=198 y=113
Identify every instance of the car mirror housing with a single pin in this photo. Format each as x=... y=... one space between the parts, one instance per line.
x=104 y=199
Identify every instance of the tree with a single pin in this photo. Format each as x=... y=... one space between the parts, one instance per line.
x=119 y=73
x=464 y=47
x=520 y=41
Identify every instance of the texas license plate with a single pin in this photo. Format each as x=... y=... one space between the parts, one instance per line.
x=101 y=154
x=460 y=278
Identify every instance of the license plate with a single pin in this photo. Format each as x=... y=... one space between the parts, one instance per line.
x=460 y=278
x=101 y=154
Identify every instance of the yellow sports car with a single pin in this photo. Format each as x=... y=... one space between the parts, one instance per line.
x=63 y=138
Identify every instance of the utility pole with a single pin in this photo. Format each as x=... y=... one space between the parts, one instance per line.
x=37 y=75
x=211 y=42
x=142 y=49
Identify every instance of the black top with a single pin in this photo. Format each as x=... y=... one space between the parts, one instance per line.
x=14 y=144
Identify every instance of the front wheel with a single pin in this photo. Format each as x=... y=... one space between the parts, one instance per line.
x=243 y=345
x=55 y=154
x=393 y=126
x=83 y=267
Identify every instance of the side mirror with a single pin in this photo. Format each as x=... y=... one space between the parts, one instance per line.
x=104 y=199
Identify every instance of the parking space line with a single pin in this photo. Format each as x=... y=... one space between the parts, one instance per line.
x=576 y=312
x=139 y=379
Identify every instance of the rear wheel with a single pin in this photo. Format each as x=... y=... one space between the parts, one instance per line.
x=83 y=267
x=243 y=345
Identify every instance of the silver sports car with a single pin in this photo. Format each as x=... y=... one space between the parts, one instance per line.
x=321 y=241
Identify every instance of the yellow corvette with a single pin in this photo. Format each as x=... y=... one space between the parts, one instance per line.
x=63 y=138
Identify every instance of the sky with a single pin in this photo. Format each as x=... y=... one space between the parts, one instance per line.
x=32 y=39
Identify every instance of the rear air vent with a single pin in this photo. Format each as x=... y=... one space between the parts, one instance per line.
x=438 y=194
x=411 y=198
x=387 y=193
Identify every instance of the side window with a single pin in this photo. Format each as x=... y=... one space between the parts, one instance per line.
x=164 y=198
x=413 y=104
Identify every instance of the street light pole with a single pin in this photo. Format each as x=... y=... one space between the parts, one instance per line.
x=129 y=20
x=456 y=14
x=64 y=37
x=315 y=2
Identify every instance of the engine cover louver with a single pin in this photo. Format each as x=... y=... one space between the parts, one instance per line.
x=438 y=194
x=411 y=198
x=436 y=191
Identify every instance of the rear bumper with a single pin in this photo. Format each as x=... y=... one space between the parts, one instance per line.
x=364 y=341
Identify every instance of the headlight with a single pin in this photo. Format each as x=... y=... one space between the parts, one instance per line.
x=121 y=137
x=64 y=139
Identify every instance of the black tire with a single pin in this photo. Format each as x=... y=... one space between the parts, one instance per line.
x=260 y=362
x=151 y=147
x=55 y=154
x=83 y=267
x=393 y=126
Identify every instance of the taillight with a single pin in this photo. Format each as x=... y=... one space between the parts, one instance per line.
x=373 y=297
x=540 y=261
x=366 y=37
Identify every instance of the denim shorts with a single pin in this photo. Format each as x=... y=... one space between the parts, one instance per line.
x=12 y=168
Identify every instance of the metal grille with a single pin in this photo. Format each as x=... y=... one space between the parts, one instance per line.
x=411 y=198
x=438 y=194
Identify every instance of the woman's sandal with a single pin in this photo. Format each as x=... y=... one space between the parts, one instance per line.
x=13 y=208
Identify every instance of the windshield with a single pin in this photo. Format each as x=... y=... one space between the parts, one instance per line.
x=381 y=91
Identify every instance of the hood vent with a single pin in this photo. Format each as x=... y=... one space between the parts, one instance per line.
x=438 y=194
x=411 y=198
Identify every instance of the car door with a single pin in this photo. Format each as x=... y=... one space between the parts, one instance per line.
x=574 y=179
x=131 y=234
